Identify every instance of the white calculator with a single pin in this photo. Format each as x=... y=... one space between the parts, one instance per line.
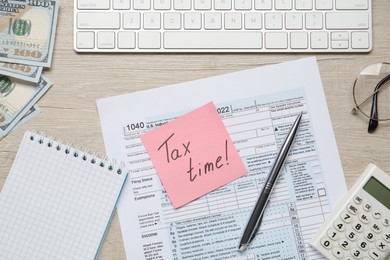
x=359 y=228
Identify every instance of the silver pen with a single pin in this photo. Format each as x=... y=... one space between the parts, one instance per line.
x=258 y=212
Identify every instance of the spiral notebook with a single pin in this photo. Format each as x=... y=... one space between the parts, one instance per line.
x=57 y=201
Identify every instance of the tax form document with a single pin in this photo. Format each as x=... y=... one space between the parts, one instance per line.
x=257 y=107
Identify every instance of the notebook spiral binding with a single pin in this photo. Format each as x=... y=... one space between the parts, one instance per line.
x=94 y=158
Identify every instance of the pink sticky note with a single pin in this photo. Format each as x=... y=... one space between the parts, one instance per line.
x=193 y=155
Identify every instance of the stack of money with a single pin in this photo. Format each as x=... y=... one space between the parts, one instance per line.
x=27 y=33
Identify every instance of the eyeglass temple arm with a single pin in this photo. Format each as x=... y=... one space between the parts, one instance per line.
x=373 y=122
x=380 y=84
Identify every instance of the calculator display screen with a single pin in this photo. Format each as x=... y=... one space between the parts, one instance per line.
x=378 y=191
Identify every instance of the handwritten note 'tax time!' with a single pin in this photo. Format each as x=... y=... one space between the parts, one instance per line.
x=193 y=155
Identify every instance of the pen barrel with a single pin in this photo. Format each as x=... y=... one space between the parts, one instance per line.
x=254 y=221
x=283 y=152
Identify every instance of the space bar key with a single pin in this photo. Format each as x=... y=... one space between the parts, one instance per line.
x=212 y=40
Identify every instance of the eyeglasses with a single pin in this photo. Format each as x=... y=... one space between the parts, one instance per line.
x=371 y=93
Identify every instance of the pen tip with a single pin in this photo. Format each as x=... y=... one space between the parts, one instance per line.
x=242 y=247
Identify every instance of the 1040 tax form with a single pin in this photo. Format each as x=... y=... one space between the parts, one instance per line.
x=257 y=107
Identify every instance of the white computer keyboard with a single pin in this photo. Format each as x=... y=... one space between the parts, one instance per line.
x=222 y=26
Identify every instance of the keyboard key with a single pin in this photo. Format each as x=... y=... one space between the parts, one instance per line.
x=324 y=4
x=344 y=20
x=243 y=5
x=351 y=5
x=202 y=5
x=294 y=21
x=121 y=4
x=149 y=40
x=162 y=4
x=340 y=36
x=360 y=40
x=93 y=4
x=314 y=21
x=298 y=40
x=182 y=4
x=340 y=44
x=276 y=40
x=212 y=40
x=303 y=4
x=152 y=20
x=131 y=20
x=106 y=40
x=263 y=4
x=126 y=40
x=85 y=40
x=98 y=20
x=172 y=21
x=233 y=21
x=319 y=40
x=192 y=21
x=253 y=21
x=213 y=21
x=273 y=21
x=141 y=4
x=223 y=4
x=283 y=4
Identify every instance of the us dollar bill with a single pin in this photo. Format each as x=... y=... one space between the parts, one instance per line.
x=34 y=111
x=27 y=32
x=21 y=71
x=17 y=97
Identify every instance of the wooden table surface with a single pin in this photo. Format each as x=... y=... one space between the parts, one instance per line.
x=69 y=108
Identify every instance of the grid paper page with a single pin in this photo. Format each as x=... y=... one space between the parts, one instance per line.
x=56 y=203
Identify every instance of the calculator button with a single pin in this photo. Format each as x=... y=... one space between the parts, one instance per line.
x=367 y=207
x=346 y=217
x=376 y=214
x=337 y=252
x=352 y=209
x=386 y=237
x=357 y=199
x=356 y=253
x=357 y=226
x=386 y=221
x=374 y=254
x=345 y=244
x=326 y=243
x=364 y=218
x=363 y=245
x=351 y=235
x=332 y=234
x=381 y=245
x=348 y=258
x=369 y=236
x=339 y=226
x=375 y=227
